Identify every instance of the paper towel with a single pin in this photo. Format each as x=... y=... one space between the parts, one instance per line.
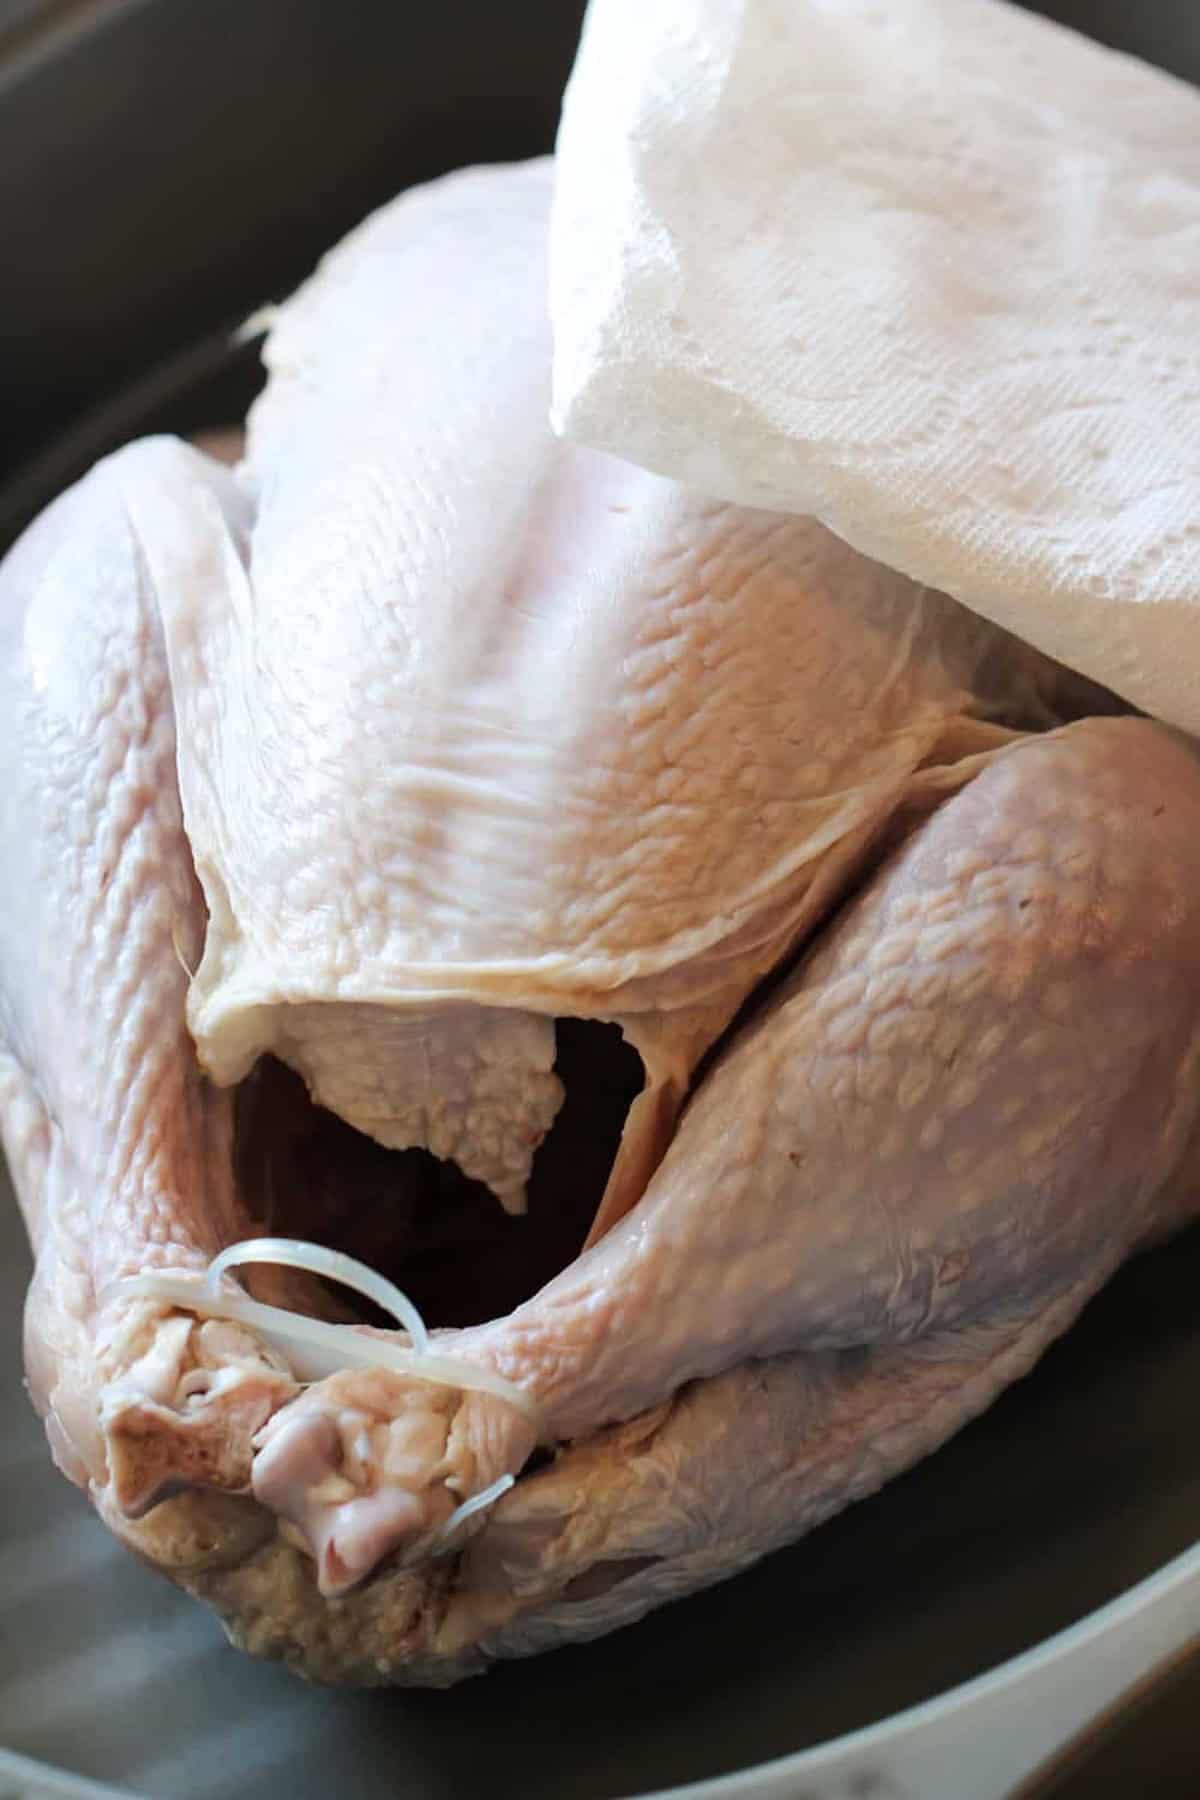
x=929 y=269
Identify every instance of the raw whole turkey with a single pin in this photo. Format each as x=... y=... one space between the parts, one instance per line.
x=748 y=1001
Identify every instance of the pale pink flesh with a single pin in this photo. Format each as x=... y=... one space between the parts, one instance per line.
x=120 y=1151
x=479 y=729
x=476 y=731
x=976 y=1096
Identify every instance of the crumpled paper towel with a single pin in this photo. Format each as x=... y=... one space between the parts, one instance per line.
x=929 y=269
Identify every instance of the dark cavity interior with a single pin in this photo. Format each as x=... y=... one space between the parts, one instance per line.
x=442 y=1238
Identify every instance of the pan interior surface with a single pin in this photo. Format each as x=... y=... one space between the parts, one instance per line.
x=1077 y=1483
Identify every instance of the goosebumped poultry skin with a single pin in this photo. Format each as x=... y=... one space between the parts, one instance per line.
x=420 y=731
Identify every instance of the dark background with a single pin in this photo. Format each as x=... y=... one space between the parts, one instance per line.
x=168 y=165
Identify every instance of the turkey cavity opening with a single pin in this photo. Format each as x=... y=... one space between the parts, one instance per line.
x=440 y=1236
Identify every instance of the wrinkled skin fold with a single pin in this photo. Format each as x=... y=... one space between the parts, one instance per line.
x=417 y=731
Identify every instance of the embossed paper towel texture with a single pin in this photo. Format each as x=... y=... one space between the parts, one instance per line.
x=929 y=269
